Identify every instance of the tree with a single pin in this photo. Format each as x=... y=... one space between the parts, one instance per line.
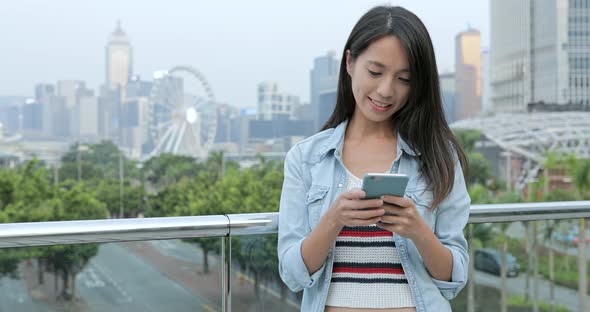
x=107 y=191
x=68 y=260
x=166 y=169
x=467 y=139
x=7 y=188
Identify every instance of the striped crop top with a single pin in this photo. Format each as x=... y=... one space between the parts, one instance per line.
x=367 y=270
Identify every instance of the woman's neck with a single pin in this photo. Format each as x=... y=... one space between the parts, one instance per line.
x=361 y=128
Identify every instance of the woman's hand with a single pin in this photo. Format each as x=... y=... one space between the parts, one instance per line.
x=402 y=217
x=350 y=209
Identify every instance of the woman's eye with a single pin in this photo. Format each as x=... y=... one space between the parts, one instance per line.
x=404 y=80
x=374 y=74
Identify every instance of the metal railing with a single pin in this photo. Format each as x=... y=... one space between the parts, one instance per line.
x=120 y=230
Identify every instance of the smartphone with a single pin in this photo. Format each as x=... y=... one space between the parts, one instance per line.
x=376 y=185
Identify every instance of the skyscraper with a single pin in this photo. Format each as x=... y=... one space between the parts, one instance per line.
x=467 y=74
x=119 y=60
x=540 y=53
x=486 y=85
x=43 y=95
x=88 y=118
x=71 y=90
x=323 y=78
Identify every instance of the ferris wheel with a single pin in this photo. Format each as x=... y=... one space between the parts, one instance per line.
x=183 y=113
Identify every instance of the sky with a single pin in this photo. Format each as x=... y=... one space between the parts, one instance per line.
x=234 y=44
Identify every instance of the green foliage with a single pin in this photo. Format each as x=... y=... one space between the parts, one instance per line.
x=509 y=198
x=479 y=194
x=108 y=191
x=9 y=260
x=479 y=169
x=167 y=169
x=467 y=139
x=558 y=195
x=28 y=196
x=7 y=188
x=579 y=169
x=519 y=301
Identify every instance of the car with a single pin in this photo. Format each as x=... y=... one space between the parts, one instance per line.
x=569 y=238
x=490 y=260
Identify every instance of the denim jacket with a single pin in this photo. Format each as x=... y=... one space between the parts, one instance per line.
x=315 y=176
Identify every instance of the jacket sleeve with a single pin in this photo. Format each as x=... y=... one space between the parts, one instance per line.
x=451 y=218
x=294 y=226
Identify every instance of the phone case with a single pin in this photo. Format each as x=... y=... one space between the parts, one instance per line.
x=376 y=185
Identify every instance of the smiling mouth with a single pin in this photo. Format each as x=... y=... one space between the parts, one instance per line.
x=379 y=104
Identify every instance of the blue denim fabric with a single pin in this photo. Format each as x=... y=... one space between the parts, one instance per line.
x=315 y=176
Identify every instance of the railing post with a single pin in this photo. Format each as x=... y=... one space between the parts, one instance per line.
x=226 y=273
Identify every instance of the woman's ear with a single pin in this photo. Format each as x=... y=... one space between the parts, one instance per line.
x=348 y=63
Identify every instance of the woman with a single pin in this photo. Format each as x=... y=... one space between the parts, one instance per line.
x=389 y=254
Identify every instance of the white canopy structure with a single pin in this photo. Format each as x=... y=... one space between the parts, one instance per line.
x=533 y=135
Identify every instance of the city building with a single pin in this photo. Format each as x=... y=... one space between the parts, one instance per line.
x=109 y=114
x=323 y=80
x=447 y=90
x=119 y=60
x=275 y=105
x=540 y=53
x=327 y=92
x=43 y=95
x=32 y=112
x=71 y=91
x=467 y=74
x=486 y=84
x=134 y=117
x=88 y=119
x=225 y=114
x=10 y=113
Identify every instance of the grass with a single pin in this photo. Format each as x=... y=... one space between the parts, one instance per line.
x=518 y=301
x=487 y=299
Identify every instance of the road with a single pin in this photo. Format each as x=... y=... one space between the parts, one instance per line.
x=516 y=286
x=15 y=297
x=117 y=280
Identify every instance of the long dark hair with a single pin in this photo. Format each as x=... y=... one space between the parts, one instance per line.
x=421 y=122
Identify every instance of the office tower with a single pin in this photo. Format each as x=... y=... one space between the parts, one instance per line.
x=540 y=52
x=71 y=90
x=323 y=77
x=275 y=105
x=43 y=95
x=88 y=118
x=32 y=112
x=118 y=60
x=486 y=84
x=109 y=114
x=134 y=116
x=135 y=129
x=447 y=90
x=225 y=115
x=327 y=94
x=467 y=74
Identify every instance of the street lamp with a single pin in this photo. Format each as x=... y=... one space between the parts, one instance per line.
x=142 y=191
x=79 y=149
x=121 y=177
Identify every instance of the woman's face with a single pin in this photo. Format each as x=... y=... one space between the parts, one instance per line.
x=380 y=78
